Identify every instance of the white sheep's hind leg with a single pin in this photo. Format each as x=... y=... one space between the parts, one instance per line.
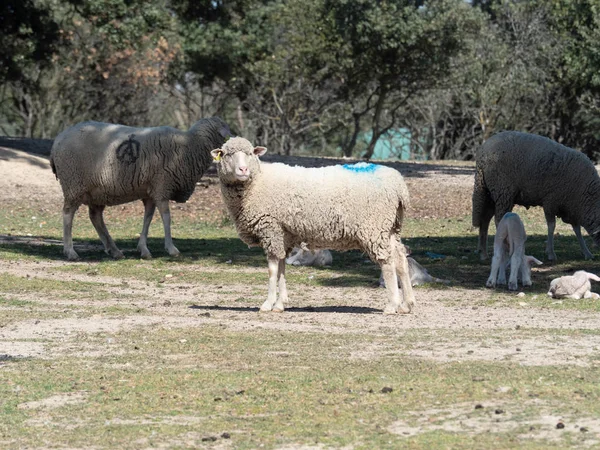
x=551 y=221
x=273 y=264
x=283 y=294
x=149 y=207
x=584 y=248
x=68 y=214
x=95 y=213
x=403 y=274
x=497 y=266
x=516 y=260
x=388 y=270
x=165 y=214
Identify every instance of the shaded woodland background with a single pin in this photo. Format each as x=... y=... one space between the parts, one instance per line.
x=308 y=77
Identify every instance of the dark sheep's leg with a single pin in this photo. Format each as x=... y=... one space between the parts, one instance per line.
x=584 y=248
x=69 y=211
x=165 y=214
x=483 y=233
x=149 y=208
x=551 y=222
x=96 y=216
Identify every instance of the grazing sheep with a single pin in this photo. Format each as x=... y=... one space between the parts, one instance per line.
x=530 y=170
x=278 y=207
x=509 y=248
x=302 y=256
x=101 y=164
x=575 y=286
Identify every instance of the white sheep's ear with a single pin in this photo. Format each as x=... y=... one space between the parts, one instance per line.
x=217 y=154
x=259 y=151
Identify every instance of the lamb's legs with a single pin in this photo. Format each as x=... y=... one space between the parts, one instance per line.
x=149 y=207
x=95 y=213
x=551 y=221
x=165 y=214
x=68 y=214
x=498 y=264
x=516 y=259
x=273 y=264
x=584 y=248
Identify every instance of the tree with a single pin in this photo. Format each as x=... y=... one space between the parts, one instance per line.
x=386 y=52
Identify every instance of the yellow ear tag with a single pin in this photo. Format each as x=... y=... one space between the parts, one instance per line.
x=217 y=158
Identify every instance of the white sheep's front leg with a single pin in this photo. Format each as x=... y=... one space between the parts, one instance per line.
x=273 y=264
x=551 y=221
x=68 y=214
x=165 y=214
x=584 y=248
x=149 y=207
x=283 y=294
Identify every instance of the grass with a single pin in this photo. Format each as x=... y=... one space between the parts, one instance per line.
x=210 y=372
x=184 y=386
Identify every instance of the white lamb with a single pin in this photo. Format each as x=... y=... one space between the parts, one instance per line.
x=341 y=208
x=102 y=164
x=574 y=286
x=302 y=256
x=509 y=248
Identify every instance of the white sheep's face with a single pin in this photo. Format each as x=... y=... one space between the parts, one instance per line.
x=237 y=160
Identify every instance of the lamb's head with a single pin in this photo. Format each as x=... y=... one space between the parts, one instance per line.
x=237 y=160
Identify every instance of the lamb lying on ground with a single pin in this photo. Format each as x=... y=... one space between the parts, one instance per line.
x=305 y=257
x=340 y=208
x=509 y=248
x=530 y=170
x=102 y=164
x=575 y=286
x=418 y=275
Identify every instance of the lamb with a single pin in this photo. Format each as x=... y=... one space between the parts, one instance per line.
x=575 y=286
x=509 y=247
x=530 y=170
x=278 y=207
x=302 y=256
x=102 y=164
x=418 y=273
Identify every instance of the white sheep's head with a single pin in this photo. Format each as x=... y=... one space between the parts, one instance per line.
x=237 y=160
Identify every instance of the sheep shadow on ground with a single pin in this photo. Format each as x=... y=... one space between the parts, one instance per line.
x=452 y=258
x=295 y=309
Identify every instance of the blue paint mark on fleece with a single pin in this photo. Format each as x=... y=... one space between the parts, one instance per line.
x=361 y=167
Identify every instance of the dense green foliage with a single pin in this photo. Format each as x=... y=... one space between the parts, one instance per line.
x=308 y=76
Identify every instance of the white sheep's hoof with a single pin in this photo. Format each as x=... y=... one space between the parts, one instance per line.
x=512 y=286
x=174 y=253
x=404 y=309
x=277 y=310
x=145 y=254
x=490 y=284
x=389 y=310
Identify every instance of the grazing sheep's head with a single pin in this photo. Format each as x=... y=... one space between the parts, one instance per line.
x=237 y=160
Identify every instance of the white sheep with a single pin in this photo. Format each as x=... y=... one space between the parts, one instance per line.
x=302 y=256
x=530 y=170
x=574 y=286
x=102 y=164
x=278 y=207
x=509 y=249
